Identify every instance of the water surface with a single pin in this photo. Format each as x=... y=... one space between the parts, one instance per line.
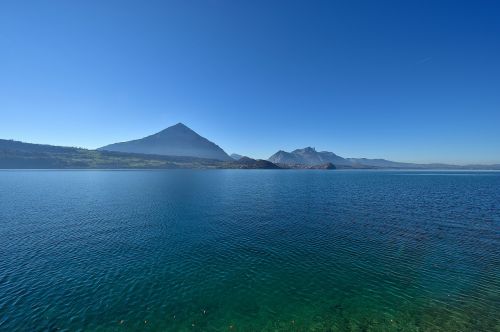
x=244 y=250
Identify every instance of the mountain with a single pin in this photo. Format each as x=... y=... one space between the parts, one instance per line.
x=20 y=155
x=308 y=157
x=177 y=140
x=236 y=156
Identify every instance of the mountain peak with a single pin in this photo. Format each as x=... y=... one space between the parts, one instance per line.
x=179 y=125
x=307 y=149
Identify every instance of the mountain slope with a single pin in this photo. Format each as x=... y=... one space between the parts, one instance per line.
x=19 y=155
x=177 y=140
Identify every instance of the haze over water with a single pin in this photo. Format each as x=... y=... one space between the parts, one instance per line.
x=210 y=250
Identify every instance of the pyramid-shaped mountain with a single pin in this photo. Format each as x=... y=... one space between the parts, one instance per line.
x=177 y=140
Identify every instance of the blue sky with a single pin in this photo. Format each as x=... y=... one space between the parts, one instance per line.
x=403 y=80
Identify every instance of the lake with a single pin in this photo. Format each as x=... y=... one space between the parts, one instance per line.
x=249 y=250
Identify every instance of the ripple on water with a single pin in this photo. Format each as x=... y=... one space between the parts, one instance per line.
x=249 y=250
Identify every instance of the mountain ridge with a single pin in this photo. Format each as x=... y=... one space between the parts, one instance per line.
x=21 y=155
x=178 y=146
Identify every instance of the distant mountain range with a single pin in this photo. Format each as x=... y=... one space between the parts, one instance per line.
x=308 y=157
x=180 y=147
x=177 y=140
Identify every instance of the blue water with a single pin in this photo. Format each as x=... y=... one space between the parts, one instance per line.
x=245 y=250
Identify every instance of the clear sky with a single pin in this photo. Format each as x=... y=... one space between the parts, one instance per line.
x=403 y=80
